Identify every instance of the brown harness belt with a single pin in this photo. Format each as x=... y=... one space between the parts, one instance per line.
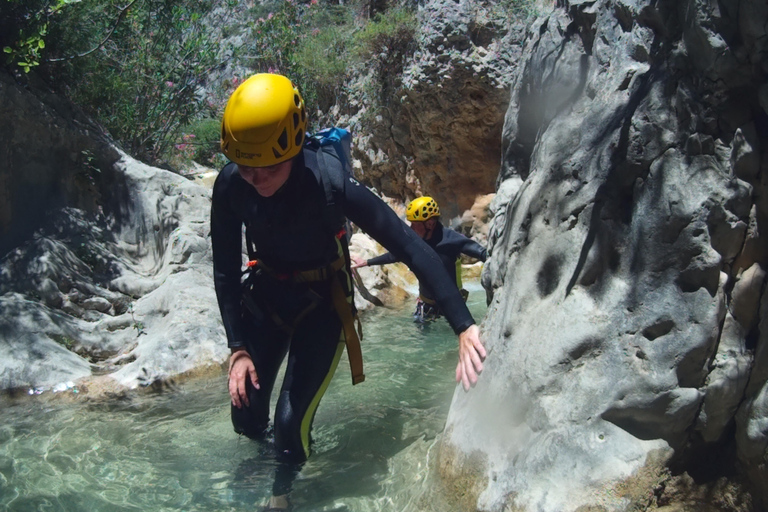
x=340 y=303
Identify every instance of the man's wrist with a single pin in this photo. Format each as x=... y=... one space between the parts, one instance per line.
x=460 y=328
x=237 y=353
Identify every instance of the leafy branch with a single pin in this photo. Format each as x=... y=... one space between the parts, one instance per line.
x=33 y=28
x=121 y=14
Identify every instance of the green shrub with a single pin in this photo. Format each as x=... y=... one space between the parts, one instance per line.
x=390 y=33
x=24 y=29
x=137 y=67
x=306 y=42
x=384 y=44
x=199 y=141
x=317 y=45
x=324 y=54
x=521 y=10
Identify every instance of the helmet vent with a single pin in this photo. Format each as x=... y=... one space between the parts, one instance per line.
x=297 y=100
x=277 y=155
x=283 y=140
x=303 y=114
x=299 y=137
x=295 y=121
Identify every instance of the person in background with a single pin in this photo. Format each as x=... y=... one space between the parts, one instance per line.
x=294 y=297
x=424 y=215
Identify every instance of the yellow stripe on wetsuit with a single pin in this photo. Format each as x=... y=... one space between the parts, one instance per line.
x=306 y=422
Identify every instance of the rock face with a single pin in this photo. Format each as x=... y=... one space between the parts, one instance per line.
x=50 y=159
x=438 y=130
x=114 y=278
x=627 y=330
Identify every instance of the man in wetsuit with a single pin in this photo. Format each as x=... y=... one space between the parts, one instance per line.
x=298 y=289
x=424 y=215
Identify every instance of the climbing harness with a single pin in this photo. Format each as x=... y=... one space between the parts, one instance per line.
x=426 y=311
x=287 y=297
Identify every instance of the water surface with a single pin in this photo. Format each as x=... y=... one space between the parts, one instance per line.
x=176 y=450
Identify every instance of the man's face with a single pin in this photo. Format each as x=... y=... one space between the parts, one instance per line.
x=266 y=180
x=419 y=227
x=423 y=228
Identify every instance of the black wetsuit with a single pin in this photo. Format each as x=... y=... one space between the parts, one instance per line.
x=289 y=233
x=449 y=245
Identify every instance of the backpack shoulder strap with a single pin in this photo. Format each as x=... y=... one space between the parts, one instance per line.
x=333 y=171
x=332 y=174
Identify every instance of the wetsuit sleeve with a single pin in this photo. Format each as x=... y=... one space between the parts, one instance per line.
x=474 y=250
x=463 y=245
x=377 y=219
x=383 y=259
x=226 y=242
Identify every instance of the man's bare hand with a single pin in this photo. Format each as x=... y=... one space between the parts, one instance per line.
x=357 y=261
x=241 y=368
x=471 y=356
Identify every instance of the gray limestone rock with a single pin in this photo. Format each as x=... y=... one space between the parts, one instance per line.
x=625 y=331
x=112 y=287
x=437 y=128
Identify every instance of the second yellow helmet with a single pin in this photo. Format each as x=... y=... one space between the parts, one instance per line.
x=421 y=209
x=264 y=122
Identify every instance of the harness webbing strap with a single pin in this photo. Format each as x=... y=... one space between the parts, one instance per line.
x=354 y=352
x=319 y=274
x=289 y=328
x=340 y=304
x=427 y=301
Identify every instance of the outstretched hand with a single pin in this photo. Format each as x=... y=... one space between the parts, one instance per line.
x=241 y=368
x=471 y=356
x=357 y=261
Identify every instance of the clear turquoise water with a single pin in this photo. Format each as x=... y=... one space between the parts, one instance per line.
x=176 y=450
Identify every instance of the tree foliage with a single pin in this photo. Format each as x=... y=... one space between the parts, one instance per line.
x=143 y=83
x=137 y=66
x=306 y=41
x=141 y=67
x=24 y=27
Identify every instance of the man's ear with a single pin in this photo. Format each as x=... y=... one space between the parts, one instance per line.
x=432 y=222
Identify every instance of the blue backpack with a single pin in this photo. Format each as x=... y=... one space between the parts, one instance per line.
x=334 y=159
x=337 y=138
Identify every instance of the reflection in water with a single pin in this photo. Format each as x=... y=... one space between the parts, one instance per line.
x=176 y=450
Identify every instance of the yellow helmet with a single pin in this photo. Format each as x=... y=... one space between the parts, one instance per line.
x=422 y=208
x=264 y=122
